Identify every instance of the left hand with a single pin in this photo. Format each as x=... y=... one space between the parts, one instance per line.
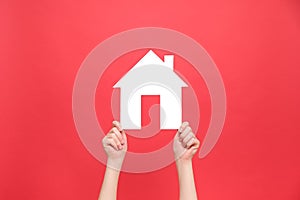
x=115 y=145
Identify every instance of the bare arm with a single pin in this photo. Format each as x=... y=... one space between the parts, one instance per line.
x=185 y=146
x=115 y=146
x=109 y=185
x=186 y=180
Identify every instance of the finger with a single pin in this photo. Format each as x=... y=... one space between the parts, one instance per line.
x=118 y=134
x=187 y=138
x=117 y=125
x=111 y=142
x=183 y=126
x=116 y=140
x=195 y=143
x=185 y=132
x=190 y=142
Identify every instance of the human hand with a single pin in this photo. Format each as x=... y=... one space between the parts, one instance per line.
x=185 y=143
x=115 y=146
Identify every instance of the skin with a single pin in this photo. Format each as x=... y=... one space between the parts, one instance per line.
x=115 y=146
x=185 y=146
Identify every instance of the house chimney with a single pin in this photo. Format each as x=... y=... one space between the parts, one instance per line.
x=169 y=61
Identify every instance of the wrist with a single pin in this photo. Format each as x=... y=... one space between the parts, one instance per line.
x=183 y=162
x=114 y=163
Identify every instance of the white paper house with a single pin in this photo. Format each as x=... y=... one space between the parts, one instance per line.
x=151 y=76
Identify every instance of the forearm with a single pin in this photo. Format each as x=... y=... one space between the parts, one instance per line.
x=110 y=184
x=186 y=180
x=115 y=146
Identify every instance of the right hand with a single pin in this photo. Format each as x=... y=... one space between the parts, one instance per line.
x=115 y=145
x=185 y=143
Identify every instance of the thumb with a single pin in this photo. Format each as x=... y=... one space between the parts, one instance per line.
x=177 y=135
x=117 y=125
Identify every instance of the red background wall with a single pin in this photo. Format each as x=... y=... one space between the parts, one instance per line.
x=255 y=44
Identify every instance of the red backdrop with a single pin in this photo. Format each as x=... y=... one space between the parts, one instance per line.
x=255 y=44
